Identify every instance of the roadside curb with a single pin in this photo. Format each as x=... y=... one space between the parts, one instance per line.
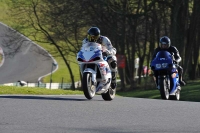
x=1 y=54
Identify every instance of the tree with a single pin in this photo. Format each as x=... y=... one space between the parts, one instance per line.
x=133 y=26
x=53 y=22
x=192 y=47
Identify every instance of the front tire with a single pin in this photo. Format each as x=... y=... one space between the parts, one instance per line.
x=88 y=89
x=164 y=88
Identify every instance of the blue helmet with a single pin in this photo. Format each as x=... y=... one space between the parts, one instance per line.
x=164 y=42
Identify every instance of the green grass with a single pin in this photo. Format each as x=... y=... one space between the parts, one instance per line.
x=1 y=57
x=63 y=73
x=36 y=91
x=191 y=92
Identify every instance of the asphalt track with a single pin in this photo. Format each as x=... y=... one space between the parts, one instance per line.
x=24 y=60
x=76 y=114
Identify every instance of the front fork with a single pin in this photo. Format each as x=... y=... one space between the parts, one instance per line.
x=166 y=79
x=94 y=73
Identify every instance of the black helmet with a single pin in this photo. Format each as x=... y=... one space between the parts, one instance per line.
x=164 y=42
x=93 y=34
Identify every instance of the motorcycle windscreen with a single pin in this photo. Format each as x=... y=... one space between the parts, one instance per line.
x=163 y=55
x=163 y=60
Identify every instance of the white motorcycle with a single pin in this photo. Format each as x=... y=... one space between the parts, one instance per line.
x=95 y=71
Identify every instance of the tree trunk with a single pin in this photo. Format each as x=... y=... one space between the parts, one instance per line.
x=192 y=32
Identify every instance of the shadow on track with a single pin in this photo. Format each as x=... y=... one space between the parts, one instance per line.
x=47 y=98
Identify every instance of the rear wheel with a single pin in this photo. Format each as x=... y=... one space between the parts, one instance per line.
x=176 y=96
x=88 y=89
x=164 y=88
x=109 y=95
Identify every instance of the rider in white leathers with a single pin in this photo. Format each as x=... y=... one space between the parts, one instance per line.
x=108 y=50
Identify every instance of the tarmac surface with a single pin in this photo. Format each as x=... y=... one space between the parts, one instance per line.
x=76 y=114
x=23 y=59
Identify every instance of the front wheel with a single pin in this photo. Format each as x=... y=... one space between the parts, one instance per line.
x=109 y=95
x=164 y=88
x=88 y=89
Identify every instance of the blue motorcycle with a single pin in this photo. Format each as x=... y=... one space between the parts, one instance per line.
x=168 y=78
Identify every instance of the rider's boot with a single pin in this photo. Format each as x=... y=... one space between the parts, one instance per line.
x=181 y=80
x=114 y=80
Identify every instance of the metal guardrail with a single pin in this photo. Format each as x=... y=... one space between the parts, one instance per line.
x=46 y=85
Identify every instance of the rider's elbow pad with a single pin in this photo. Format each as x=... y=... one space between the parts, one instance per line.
x=114 y=51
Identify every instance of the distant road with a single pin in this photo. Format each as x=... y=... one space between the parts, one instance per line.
x=24 y=60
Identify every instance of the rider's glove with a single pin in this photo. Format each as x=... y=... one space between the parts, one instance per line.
x=106 y=52
x=174 y=60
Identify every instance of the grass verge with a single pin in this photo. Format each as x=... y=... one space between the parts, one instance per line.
x=36 y=91
x=190 y=92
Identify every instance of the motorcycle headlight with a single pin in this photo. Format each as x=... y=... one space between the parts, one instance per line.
x=158 y=65
x=164 y=65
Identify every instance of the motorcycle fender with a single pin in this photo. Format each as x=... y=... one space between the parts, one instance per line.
x=92 y=72
x=175 y=82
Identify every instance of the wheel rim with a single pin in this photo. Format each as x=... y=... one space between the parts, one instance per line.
x=91 y=88
x=167 y=89
x=167 y=93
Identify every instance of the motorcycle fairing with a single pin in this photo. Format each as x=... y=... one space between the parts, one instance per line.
x=163 y=60
x=175 y=81
x=158 y=64
x=90 y=60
